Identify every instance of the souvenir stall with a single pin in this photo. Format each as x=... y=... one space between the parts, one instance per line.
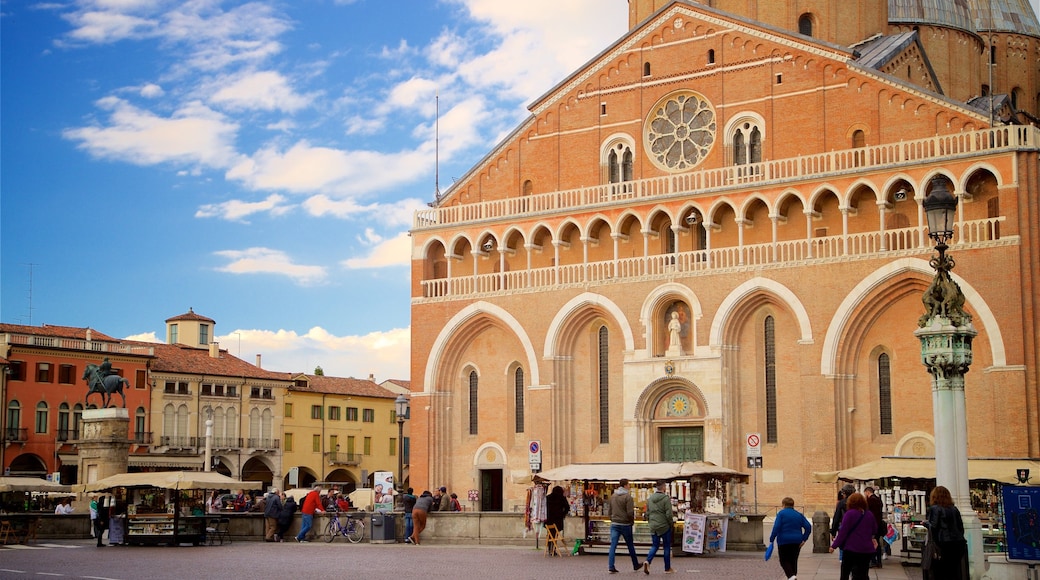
x=905 y=482
x=22 y=501
x=164 y=507
x=699 y=491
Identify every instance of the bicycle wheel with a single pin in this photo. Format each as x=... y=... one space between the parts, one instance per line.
x=331 y=531
x=356 y=532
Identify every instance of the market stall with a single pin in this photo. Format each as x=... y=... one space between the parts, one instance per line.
x=699 y=493
x=22 y=500
x=164 y=507
x=905 y=482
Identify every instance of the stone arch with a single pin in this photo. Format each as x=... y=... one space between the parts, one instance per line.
x=782 y=293
x=670 y=403
x=915 y=444
x=655 y=325
x=555 y=332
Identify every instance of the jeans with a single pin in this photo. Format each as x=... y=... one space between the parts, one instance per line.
x=305 y=526
x=666 y=539
x=622 y=531
x=408 y=525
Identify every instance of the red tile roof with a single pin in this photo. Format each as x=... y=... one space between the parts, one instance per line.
x=179 y=358
x=190 y=315
x=56 y=331
x=342 y=386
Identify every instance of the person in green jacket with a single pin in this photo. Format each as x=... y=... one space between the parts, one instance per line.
x=661 y=520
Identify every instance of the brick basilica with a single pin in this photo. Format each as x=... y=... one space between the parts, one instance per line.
x=715 y=227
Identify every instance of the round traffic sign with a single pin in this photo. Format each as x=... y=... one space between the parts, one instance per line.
x=535 y=447
x=753 y=440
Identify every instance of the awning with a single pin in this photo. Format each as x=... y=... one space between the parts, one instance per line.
x=639 y=472
x=170 y=480
x=1002 y=470
x=11 y=483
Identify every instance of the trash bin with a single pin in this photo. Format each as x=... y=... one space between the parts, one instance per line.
x=383 y=530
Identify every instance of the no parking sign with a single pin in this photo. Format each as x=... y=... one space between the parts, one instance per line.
x=534 y=455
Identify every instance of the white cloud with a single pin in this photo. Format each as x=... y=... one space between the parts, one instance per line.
x=396 y=251
x=238 y=210
x=263 y=90
x=151 y=91
x=144 y=337
x=396 y=214
x=384 y=354
x=268 y=261
x=192 y=134
x=103 y=27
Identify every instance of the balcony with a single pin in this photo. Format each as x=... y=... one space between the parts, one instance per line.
x=75 y=344
x=65 y=435
x=865 y=245
x=227 y=443
x=178 y=442
x=264 y=444
x=340 y=458
x=737 y=177
x=141 y=438
x=16 y=434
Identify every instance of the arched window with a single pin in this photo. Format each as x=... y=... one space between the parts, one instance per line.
x=14 y=420
x=859 y=138
x=646 y=69
x=747 y=142
x=219 y=424
x=139 y=427
x=619 y=163
x=711 y=56
x=805 y=24
x=169 y=424
x=769 y=344
x=63 y=423
x=41 y=417
x=231 y=431
x=77 y=419
x=528 y=187
x=604 y=386
x=518 y=398
x=266 y=424
x=473 y=382
x=884 y=394
x=254 y=425
x=182 y=423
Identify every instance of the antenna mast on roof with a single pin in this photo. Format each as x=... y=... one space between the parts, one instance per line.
x=437 y=149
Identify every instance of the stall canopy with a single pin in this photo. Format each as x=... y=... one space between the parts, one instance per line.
x=31 y=484
x=639 y=472
x=1002 y=470
x=170 y=480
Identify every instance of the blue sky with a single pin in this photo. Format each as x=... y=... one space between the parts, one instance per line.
x=258 y=162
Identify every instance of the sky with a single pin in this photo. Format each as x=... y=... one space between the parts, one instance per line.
x=258 y=162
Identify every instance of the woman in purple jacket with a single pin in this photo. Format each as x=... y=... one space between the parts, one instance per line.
x=856 y=538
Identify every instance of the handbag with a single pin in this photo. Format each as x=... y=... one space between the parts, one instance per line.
x=769 y=551
x=931 y=552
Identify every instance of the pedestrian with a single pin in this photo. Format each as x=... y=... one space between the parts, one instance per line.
x=64 y=507
x=93 y=512
x=285 y=517
x=790 y=531
x=876 y=507
x=436 y=500
x=272 y=509
x=455 y=505
x=622 y=518
x=101 y=522
x=407 y=505
x=444 y=501
x=422 y=507
x=947 y=530
x=213 y=504
x=856 y=538
x=311 y=505
x=661 y=521
x=556 y=509
x=839 y=510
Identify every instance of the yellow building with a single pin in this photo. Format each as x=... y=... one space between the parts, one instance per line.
x=338 y=430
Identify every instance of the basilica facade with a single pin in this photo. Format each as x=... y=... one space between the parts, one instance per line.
x=715 y=228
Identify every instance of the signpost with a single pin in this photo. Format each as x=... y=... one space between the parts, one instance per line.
x=534 y=455
x=754 y=459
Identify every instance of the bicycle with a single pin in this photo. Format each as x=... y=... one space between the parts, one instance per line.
x=353 y=529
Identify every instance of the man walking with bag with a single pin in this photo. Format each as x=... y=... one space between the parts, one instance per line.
x=272 y=508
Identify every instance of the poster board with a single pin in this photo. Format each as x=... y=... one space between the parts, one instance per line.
x=383 y=490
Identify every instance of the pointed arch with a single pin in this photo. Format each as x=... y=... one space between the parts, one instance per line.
x=783 y=293
x=588 y=299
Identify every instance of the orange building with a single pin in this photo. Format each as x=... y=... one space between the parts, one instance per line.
x=715 y=228
x=44 y=393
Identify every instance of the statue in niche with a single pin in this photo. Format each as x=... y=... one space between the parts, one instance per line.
x=678 y=327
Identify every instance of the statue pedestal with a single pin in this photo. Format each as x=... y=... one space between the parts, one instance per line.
x=673 y=351
x=104 y=443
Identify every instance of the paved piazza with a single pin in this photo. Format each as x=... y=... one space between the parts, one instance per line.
x=81 y=559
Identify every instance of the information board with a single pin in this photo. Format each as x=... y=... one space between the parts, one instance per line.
x=1022 y=522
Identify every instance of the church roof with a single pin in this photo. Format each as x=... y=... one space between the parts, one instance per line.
x=946 y=13
x=876 y=52
x=1006 y=16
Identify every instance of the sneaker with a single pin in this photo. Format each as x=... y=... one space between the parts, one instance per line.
x=298 y=539
x=613 y=571
x=670 y=571
x=646 y=567
x=408 y=540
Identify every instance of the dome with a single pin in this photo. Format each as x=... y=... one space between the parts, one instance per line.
x=945 y=13
x=1015 y=16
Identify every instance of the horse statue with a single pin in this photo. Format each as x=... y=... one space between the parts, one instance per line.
x=104 y=385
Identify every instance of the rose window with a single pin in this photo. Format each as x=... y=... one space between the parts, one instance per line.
x=680 y=131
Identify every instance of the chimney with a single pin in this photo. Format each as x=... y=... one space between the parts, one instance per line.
x=214 y=349
x=258 y=362
x=371 y=377
x=88 y=335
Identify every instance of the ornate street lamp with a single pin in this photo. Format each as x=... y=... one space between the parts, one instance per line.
x=401 y=410
x=946 y=333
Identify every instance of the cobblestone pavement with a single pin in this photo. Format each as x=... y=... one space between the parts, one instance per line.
x=315 y=560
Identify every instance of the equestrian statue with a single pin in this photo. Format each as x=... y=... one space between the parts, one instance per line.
x=102 y=380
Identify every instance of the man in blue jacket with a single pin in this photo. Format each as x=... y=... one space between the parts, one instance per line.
x=790 y=531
